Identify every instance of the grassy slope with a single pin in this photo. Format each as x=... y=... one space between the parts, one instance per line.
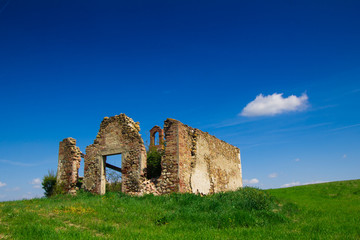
x=321 y=211
x=325 y=211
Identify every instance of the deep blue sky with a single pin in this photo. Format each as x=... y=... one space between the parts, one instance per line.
x=64 y=65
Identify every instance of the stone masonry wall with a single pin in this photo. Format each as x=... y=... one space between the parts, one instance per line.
x=187 y=156
x=117 y=135
x=168 y=181
x=222 y=163
x=201 y=163
x=197 y=162
x=68 y=165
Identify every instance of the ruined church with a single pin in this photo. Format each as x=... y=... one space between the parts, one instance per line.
x=193 y=161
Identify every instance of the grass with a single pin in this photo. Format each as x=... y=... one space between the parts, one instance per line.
x=325 y=211
x=321 y=211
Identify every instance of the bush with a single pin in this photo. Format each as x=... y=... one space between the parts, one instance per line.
x=49 y=183
x=113 y=187
x=153 y=163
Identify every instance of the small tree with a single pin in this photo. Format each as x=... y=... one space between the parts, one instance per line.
x=153 y=163
x=49 y=183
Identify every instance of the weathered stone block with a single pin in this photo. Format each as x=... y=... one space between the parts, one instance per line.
x=68 y=165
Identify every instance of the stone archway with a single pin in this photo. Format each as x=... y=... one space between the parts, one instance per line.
x=117 y=135
x=153 y=131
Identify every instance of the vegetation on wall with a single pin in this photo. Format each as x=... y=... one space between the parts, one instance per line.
x=153 y=163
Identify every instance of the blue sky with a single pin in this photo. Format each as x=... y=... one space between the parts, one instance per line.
x=220 y=66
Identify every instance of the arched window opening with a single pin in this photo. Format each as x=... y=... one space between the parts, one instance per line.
x=156 y=138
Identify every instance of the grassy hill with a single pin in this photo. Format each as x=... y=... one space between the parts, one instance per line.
x=319 y=211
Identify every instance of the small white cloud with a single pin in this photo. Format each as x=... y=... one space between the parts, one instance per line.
x=345 y=127
x=297 y=160
x=314 y=182
x=274 y=104
x=344 y=156
x=20 y=164
x=273 y=175
x=2 y=184
x=36 y=181
x=290 y=184
x=28 y=195
x=251 y=181
x=15 y=189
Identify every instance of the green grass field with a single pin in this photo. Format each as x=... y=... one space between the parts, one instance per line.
x=319 y=211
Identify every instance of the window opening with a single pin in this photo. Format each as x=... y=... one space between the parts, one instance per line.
x=80 y=180
x=156 y=138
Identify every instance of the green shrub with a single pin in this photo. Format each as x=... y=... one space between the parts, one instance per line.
x=153 y=163
x=49 y=183
x=113 y=187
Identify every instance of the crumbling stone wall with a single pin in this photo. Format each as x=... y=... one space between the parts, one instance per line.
x=153 y=131
x=169 y=181
x=217 y=167
x=68 y=165
x=193 y=160
x=198 y=162
x=117 y=135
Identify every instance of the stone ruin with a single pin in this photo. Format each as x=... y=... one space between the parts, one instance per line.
x=68 y=165
x=192 y=161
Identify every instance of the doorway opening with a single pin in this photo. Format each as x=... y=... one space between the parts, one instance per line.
x=113 y=172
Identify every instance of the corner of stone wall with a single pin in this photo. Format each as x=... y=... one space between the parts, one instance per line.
x=168 y=182
x=68 y=165
x=206 y=163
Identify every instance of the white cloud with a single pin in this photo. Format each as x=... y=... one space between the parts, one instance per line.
x=344 y=156
x=297 y=160
x=290 y=184
x=274 y=104
x=15 y=189
x=251 y=181
x=314 y=182
x=2 y=184
x=273 y=175
x=20 y=164
x=36 y=182
x=28 y=195
x=349 y=126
